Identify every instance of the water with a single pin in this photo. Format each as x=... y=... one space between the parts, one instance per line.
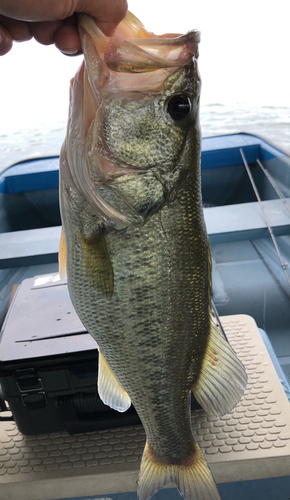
x=42 y=138
x=270 y=122
x=35 y=141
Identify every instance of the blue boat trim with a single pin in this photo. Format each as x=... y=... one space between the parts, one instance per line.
x=43 y=173
x=232 y=224
x=31 y=175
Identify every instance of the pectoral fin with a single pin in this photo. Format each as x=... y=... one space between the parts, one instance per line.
x=222 y=379
x=98 y=264
x=62 y=257
x=110 y=390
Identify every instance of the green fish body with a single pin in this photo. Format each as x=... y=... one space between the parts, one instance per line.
x=137 y=252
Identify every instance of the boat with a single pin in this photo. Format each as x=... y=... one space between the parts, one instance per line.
x=246 y=195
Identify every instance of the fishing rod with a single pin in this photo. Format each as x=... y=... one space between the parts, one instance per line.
x=284 y=266
x=217 y=318
x=274 y=185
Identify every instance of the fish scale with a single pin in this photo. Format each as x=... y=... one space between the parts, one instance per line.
x=159 y=278
x=137 y=252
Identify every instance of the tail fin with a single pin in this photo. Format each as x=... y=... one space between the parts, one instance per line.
x=193 y=480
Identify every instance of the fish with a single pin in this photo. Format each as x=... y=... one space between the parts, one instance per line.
x=135 y=248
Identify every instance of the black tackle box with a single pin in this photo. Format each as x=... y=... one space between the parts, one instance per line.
x=49 y=364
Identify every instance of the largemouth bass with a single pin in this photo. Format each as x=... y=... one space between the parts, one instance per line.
x=136 y=248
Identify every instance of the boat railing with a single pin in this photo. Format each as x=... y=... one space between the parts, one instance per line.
x=274 y=185
x=257 y=194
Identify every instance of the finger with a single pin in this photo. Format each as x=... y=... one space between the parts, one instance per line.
x=67 y=40
x=5 y=41
x=107 y=27
x=44 y=32
x=107 y=13
x=35 y=10
x=18 y=30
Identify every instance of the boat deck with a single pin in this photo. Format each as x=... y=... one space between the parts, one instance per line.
x=252 y=442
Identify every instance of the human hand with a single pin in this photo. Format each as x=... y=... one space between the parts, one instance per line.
x=55 y=21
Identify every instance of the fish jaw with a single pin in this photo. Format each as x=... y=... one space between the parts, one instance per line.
x=126 y=60
x=133 y=44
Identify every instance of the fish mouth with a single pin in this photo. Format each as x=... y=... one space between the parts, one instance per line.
x=135 y=50
x=134 y=58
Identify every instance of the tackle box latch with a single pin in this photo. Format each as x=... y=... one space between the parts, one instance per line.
x=34 y=400
x=31 y=388
x=27 y=380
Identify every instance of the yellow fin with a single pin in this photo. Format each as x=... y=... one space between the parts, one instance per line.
x=193 y=479
x=110 y=390
x=222 y=379
x=62 y=257
x=98 y=264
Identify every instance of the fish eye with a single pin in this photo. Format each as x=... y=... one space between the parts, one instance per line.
x=178 y=106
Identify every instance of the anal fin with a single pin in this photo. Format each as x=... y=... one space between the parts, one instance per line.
x=222 y=379
x=110 y=390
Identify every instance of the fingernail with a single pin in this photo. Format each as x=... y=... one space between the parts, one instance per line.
x=70 y=52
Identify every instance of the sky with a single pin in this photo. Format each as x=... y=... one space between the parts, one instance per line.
x=244 y=49
x=244 y=58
